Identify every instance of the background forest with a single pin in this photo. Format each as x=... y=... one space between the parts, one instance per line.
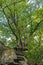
x=21 y=22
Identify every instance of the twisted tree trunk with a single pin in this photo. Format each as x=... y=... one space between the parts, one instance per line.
x=15 y=56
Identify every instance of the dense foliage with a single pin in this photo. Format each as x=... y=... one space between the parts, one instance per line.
x=21 y=21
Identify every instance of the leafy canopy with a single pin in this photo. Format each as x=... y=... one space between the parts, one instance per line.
x=21 y=21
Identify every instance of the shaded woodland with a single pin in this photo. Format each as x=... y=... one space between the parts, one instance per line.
x=21 y=32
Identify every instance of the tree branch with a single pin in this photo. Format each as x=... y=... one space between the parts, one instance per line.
x=36 y=27
x=10 y=25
